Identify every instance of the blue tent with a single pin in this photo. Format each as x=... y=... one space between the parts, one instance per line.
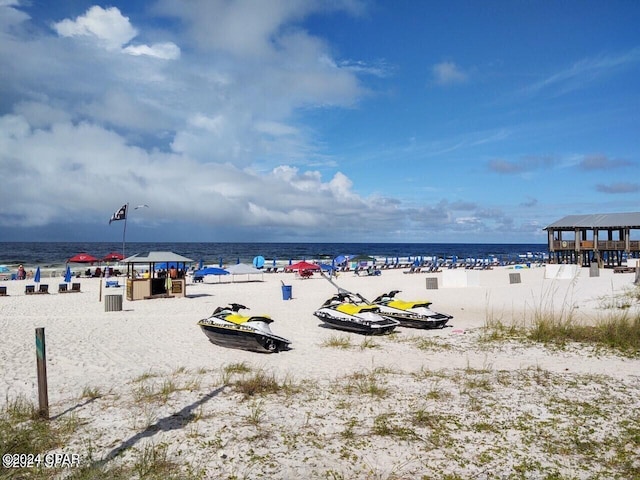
x=340 y=259
x=210 y=271
x=166 y=265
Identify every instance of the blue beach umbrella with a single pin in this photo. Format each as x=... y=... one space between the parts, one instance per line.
x=258 y=261
x=386 y=260
x=200 y=264
x=274 y=262
x=67 y=274
x=220 y=264
x=238 y=262
x=36 y=278
x=290 y=261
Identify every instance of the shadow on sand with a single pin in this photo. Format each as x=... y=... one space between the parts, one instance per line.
x=174 y=421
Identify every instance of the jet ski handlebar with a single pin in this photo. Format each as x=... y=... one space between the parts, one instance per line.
x=236 y=307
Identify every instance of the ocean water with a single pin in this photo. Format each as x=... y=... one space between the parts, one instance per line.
x=55 y=254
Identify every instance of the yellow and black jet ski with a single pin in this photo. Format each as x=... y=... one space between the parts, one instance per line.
x=227 y=328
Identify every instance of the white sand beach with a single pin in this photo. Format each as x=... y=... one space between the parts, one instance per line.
x=414 y=404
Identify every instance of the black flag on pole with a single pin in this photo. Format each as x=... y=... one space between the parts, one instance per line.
x=121 y=214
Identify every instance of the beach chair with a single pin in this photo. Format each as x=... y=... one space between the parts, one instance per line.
x=75 y=287
x=305 y=274
x=43 y=288
x=62 y=288
x=3 y=291
x=29 y=289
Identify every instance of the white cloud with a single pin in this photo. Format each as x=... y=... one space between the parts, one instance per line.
x=247 y=28
x=585 y=72
x=108 y=26
x=448 y=73
x=165 y=51
x=113 y=30
x=102 y=167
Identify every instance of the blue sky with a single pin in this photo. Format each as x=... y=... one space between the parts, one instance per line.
x=302 y=120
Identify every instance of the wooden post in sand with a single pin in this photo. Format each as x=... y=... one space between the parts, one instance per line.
x=41 y=355
x=100 y=289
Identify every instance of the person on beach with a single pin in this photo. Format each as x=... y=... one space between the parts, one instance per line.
x=22 y=274
x=173 y=272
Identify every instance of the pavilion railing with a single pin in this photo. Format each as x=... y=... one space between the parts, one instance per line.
x=603 y=245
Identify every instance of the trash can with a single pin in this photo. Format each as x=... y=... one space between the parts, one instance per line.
x=112 y=303
x=286 y=292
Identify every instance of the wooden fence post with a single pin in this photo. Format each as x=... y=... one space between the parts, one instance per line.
x=41 y=354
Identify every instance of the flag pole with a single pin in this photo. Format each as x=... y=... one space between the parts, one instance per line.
x=124 y=230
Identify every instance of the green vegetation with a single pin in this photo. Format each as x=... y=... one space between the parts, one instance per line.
x=338 y=341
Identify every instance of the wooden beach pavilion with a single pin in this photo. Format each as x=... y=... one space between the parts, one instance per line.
x=580 y=239
x=155 y=282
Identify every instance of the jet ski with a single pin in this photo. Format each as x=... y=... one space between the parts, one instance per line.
x=416 y=314
x=348 y=311
x=227 y=328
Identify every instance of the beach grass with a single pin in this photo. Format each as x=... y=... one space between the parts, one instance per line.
x=259 y=384
x=338 y=341
x=617 y=329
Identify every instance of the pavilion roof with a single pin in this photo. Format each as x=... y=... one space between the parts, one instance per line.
x=597 y=220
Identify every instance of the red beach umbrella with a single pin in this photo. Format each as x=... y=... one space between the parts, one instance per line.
x=83 y=258
x=303 y=266
x=113 y=257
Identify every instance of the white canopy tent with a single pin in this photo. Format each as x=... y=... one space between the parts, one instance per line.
x=244 y=269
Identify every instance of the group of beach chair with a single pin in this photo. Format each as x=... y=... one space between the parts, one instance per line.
x=43 y=288
x=274 y=269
